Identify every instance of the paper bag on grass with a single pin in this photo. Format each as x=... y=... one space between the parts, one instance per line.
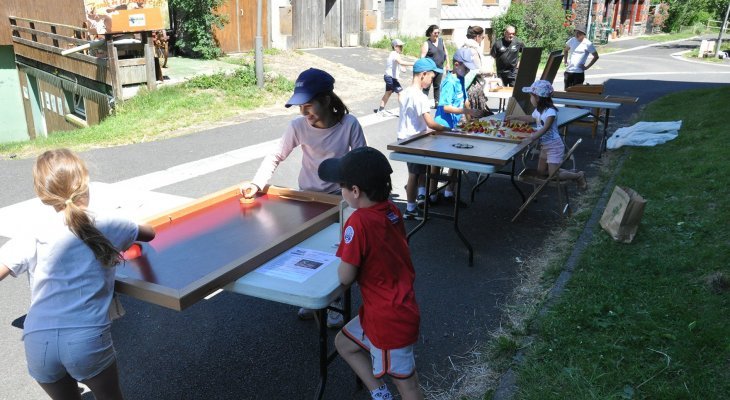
x=623 y=213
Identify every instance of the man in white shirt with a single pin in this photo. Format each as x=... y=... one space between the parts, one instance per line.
x=575 y=55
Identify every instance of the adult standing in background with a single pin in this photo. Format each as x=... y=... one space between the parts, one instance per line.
x=575 y=55
x=476 y=80
x=506 y=52
x=435 y=49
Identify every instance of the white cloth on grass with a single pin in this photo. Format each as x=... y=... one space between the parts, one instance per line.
x=644 y=134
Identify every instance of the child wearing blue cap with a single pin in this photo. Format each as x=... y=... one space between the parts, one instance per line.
x=452 y=105
x=393 y=65
x=415 y=118
x=324 y=130
x=552 y=148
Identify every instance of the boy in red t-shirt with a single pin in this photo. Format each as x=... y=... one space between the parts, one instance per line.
x=374 y=251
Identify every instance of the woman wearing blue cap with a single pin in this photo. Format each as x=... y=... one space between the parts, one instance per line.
x=326 y=129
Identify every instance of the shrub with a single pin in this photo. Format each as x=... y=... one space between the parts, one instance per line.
x=194 y=21
x=538 y=24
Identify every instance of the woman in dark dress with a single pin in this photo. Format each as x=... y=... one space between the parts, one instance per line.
x=435 y=49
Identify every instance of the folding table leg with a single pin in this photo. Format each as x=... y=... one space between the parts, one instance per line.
x=457 y=200
x=323 y=359
x=604 y=137
x=425 y=205
x=512 y=179
x=476 y=186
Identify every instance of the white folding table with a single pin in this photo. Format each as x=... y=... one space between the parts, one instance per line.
x=591 y=104
x=316 y=293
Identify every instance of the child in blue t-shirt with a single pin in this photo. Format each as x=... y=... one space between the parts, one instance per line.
x=552 y=148
x=452 y=106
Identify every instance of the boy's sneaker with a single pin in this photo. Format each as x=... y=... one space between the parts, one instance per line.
x=420 y=201
x=334 y=318
x=305 y=313
x=411 y=215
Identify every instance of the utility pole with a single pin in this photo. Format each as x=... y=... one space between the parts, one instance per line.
x=259 y=51
x=722 y=30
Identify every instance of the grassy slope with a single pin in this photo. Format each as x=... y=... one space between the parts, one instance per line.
x=152 y=115
x=650 y=319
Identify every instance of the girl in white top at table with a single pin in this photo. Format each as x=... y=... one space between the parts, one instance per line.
x=325 y=130
x=552 y=148
x=71 y=261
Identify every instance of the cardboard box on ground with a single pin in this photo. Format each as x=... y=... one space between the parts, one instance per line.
x=623 y=213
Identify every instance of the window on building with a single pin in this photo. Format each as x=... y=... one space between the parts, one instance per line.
x=76 y=104
x=447 y=34
x=389 y=10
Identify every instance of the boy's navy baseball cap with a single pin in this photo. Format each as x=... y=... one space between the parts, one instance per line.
x=365 y=167
x=425 y=64
x=309 y=84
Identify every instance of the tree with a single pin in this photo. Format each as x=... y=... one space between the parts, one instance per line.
x=689 y=12
x=539 y=23
x=194 y=21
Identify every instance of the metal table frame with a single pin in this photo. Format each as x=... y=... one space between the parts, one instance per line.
x=315 y=293
x=565 y=116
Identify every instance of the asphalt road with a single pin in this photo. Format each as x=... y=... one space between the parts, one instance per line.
x=237 y=347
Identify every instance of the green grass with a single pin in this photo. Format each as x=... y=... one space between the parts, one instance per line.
x=160 y=113
x=649 y=320
x=668 y=37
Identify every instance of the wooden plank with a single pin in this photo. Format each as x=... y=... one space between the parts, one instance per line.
x=48 y=23
x=132 y=74
x=227 y=37
x=50 y=35
x=113 y=68
x=76 y=63
x=57 y=50
x=129 y=62
x=27 y=107
x=66 y=14
x=149 y=56
x=308 y=23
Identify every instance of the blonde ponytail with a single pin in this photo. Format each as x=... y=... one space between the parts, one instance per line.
x=61 y=181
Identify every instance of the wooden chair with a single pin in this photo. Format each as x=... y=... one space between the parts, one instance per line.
x=594 y=117
x=539 y=182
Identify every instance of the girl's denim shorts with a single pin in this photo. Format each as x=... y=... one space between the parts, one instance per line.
x=83 y=353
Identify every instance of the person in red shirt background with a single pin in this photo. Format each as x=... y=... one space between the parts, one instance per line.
x=374 y=251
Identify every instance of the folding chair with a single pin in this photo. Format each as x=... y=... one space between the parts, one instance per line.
x=531 y=176
x=592 y=119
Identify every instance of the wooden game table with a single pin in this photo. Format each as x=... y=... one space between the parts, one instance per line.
x=204 y=245
x=220 y=242
x=483 y=154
